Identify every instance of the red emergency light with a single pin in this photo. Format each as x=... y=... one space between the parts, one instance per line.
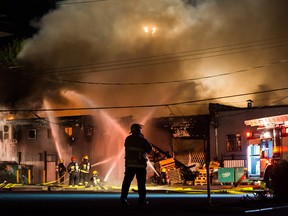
x=284 y=131
x=249 y=134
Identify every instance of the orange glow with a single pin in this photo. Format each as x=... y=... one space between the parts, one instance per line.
x=269 y=162
x=146 y=29
x=277 y=149
x=249 y=134
x=10 y=117
x=284 y=131
x=285 y=148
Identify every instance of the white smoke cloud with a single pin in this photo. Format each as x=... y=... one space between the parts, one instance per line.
x=86 y=34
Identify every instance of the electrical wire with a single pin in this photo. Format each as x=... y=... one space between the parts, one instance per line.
x=79 y=2
x=141 y=106
x=164 y=58
x=46 y=73
x=176 y=81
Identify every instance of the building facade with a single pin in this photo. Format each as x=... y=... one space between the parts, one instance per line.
x=221 y=136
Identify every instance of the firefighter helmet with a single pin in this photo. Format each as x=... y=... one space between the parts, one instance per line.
x=61 y=161
x=73 y=158
x=163 y=170
x=94 y=172
x=135 y=127
x=85 y=157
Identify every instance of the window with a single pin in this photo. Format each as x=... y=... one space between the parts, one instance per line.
x=49 y=133
x=233 y=142
x=88 y=131
x=6 y=132
x=68 y=131
x=32 y=134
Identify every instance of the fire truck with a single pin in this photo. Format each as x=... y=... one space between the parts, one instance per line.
x=267 y=144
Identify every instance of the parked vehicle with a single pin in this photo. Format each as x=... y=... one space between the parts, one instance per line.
x=267 y=145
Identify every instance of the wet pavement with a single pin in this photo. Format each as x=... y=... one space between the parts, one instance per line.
x=163 y=200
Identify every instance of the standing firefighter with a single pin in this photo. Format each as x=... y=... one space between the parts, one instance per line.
x=84 y=170
x=73 y=170
x=61 y=170
x=136 y=150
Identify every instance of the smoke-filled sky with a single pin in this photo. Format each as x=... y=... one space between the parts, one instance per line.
x=201 y=49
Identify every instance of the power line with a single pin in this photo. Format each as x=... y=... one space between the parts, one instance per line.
x=260 y=107
x=114 y=63
x=164 y=58
x=177 y=81
x=80 y=2
x=263 y=100
x=140 y=106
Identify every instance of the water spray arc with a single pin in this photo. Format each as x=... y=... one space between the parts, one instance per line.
x=108 y=147
x=62 y=152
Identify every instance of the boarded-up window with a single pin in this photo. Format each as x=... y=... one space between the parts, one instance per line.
x=32 y=134
x=233 y=142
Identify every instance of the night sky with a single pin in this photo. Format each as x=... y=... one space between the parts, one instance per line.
x=20 y=14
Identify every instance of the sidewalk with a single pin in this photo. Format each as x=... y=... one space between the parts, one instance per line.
x=219 y=189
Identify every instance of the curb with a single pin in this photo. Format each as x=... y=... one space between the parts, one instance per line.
x=266 y=209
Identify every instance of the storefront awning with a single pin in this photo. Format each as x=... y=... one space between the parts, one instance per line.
x=266 y=121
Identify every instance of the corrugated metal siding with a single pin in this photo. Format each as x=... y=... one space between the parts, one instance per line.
x=234 y=163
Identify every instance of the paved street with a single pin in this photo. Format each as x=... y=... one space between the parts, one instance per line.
x=161 y=203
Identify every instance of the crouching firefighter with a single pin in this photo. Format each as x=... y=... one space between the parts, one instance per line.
x=95 y=180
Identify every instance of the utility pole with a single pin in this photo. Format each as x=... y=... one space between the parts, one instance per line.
x=45 y=166
x=208 y=170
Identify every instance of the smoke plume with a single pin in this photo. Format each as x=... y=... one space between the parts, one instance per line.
x=201 y=49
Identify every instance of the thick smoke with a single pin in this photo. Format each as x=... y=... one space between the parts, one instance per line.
x=81 y=44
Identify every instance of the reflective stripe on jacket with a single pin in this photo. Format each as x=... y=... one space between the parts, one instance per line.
x=136 y=150
x=84 y=167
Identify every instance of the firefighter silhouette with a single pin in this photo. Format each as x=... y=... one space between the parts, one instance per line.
x=61 y=171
